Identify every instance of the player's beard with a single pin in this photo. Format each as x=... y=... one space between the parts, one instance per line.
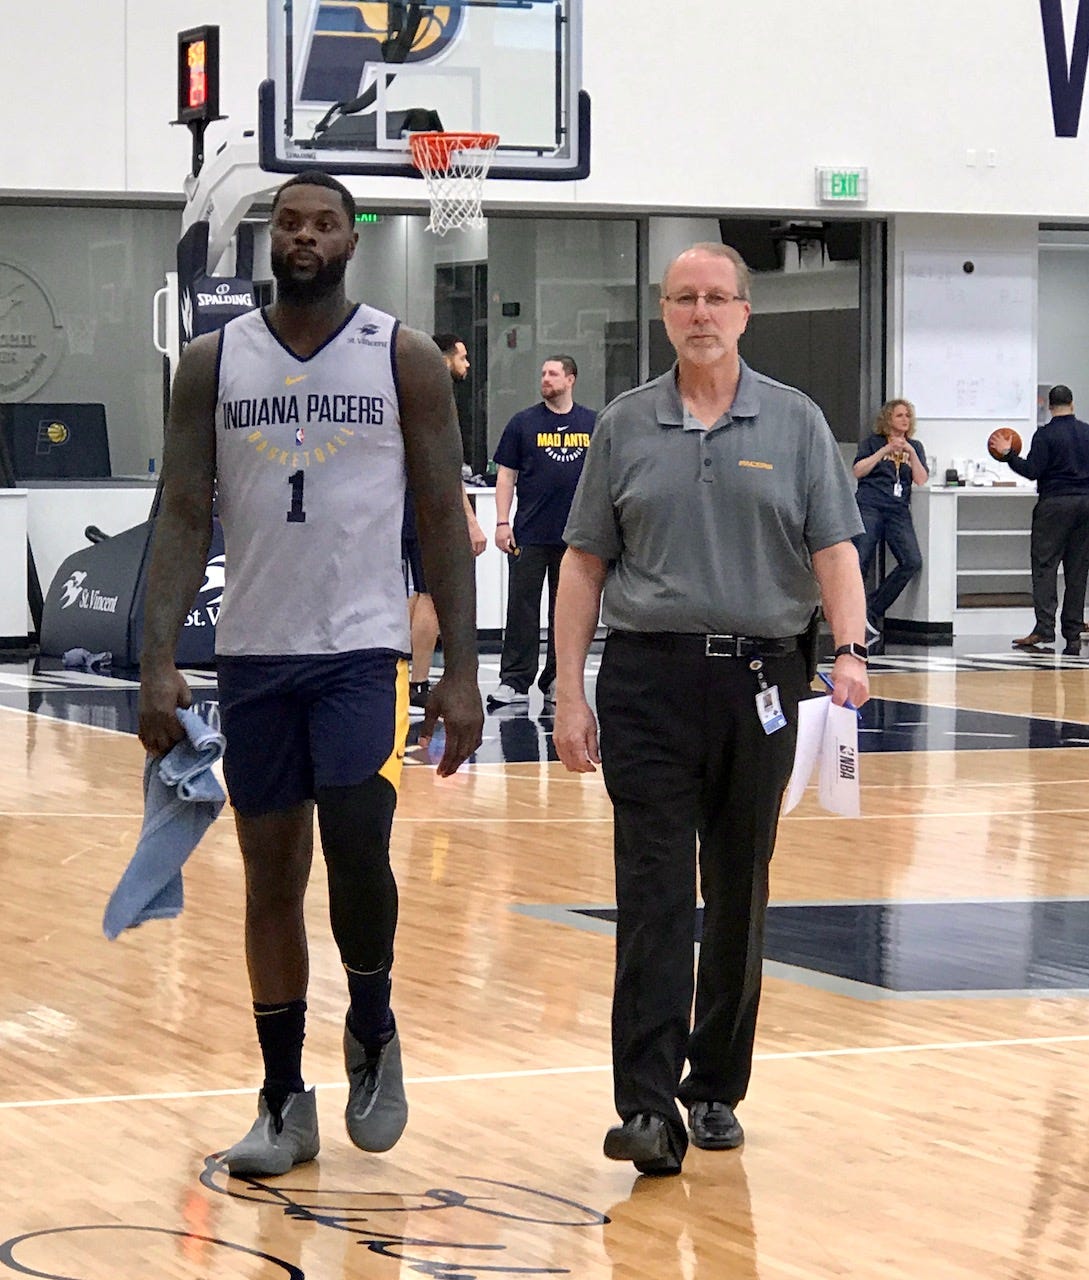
x=309 y=289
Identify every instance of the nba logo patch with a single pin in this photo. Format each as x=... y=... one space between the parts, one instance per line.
x=300 y=435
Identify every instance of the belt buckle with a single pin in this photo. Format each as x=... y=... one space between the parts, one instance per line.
x=723 y=646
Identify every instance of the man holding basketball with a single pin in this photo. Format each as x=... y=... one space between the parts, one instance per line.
x=1058 y=461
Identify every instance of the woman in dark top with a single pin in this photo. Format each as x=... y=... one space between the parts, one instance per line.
x=887 y=464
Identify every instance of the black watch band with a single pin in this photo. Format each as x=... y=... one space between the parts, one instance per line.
x=855 y=649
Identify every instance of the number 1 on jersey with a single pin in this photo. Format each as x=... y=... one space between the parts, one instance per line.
x=296 y=515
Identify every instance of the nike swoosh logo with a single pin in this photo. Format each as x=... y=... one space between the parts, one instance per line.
x=290 y=382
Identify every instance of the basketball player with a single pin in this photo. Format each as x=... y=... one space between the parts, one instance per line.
x=305 y=416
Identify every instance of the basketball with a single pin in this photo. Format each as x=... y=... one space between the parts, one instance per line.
x=994 y=450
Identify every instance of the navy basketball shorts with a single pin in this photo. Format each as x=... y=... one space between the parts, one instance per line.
x=295 y=724
x=414 y=567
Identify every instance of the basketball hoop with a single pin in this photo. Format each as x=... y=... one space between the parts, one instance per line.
x=454 y=166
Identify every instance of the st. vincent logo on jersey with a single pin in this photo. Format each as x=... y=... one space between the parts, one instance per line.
x=1066 y=78
x=345 y=45
x=362 y=335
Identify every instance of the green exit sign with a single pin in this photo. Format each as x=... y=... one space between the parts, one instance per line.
x=368 y=217
x=842 y=185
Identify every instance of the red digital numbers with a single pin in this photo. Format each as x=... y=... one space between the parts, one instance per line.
x=198 y=78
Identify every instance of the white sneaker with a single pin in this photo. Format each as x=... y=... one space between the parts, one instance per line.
x=505 y=696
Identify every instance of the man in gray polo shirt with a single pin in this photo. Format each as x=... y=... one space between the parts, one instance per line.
x=713 y=514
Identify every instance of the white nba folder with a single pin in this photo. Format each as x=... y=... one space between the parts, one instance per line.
x=827 y=741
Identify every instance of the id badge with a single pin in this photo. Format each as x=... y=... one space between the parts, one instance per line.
x=769 y=710
x=898 y=490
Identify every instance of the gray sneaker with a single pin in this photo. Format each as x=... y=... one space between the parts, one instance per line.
x=277 y=1143
x=377 y=1109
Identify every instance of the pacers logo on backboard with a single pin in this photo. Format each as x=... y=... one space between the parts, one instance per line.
x=347 y=39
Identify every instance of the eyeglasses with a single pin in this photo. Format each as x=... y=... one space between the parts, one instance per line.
x=712 y=301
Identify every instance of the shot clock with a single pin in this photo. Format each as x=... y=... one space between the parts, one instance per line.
x=198 y=85
x=198 y=74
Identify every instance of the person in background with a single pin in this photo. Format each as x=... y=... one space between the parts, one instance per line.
x=423 y=621
x=1058 y=460
x=539 y=456
x=888 y=463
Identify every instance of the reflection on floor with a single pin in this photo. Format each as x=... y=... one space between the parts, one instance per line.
x=931 y=948
x=523 y=733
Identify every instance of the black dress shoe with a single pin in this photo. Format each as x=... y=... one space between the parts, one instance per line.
x=1072 y=651
x=714 y=1127
x=648 y=1142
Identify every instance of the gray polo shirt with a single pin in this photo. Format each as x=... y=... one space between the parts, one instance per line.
x=712 y=530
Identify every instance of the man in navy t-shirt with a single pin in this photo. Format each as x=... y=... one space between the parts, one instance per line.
x=539 y=456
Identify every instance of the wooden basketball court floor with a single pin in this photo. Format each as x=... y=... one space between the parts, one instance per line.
x=918 y=1105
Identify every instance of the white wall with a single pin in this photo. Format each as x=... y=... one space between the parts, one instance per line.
x=947 y=438
x=1064 y=319
x=706 y=107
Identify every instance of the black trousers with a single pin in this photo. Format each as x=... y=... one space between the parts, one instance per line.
x=1060 y=535
x=894 y=525
x=522 y=636
x=685 y=758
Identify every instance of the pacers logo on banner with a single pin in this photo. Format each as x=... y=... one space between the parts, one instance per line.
x=348 y=40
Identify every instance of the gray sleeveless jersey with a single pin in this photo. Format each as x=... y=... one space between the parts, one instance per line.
x=311 y=472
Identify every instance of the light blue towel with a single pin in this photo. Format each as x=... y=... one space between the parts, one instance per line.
x=182 y=798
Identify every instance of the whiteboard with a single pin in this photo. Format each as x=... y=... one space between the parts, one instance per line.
x=968 y=342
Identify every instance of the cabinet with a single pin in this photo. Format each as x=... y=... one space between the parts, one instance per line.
x=992 y=549
x=976 y=578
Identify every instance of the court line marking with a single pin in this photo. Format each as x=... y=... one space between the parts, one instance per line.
x=590 y=821
x=788 y=1055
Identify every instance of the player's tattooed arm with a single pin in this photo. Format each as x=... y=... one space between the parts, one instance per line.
x=433 y=459
x=183 y=531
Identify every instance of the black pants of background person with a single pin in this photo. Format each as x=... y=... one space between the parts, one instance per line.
x=684 y=755
x=895 y=527
x=521 y=655
x=1060 y=535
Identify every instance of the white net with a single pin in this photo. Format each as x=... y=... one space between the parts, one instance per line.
x=454 y=166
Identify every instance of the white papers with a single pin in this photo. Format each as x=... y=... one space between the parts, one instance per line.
x=828 y=741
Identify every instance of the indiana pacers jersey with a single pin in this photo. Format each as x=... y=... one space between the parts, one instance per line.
x=311 y=476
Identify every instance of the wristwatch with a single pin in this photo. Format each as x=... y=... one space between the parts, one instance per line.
x=855 y=649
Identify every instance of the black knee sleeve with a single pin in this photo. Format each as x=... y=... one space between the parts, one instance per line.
x=355 y=825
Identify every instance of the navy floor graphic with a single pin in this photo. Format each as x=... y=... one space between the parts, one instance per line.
x=515 y=735
x=902 y=947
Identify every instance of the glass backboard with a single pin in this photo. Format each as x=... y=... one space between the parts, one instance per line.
x=349 y=80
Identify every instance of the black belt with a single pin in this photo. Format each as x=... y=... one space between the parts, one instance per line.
x=716 y=646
